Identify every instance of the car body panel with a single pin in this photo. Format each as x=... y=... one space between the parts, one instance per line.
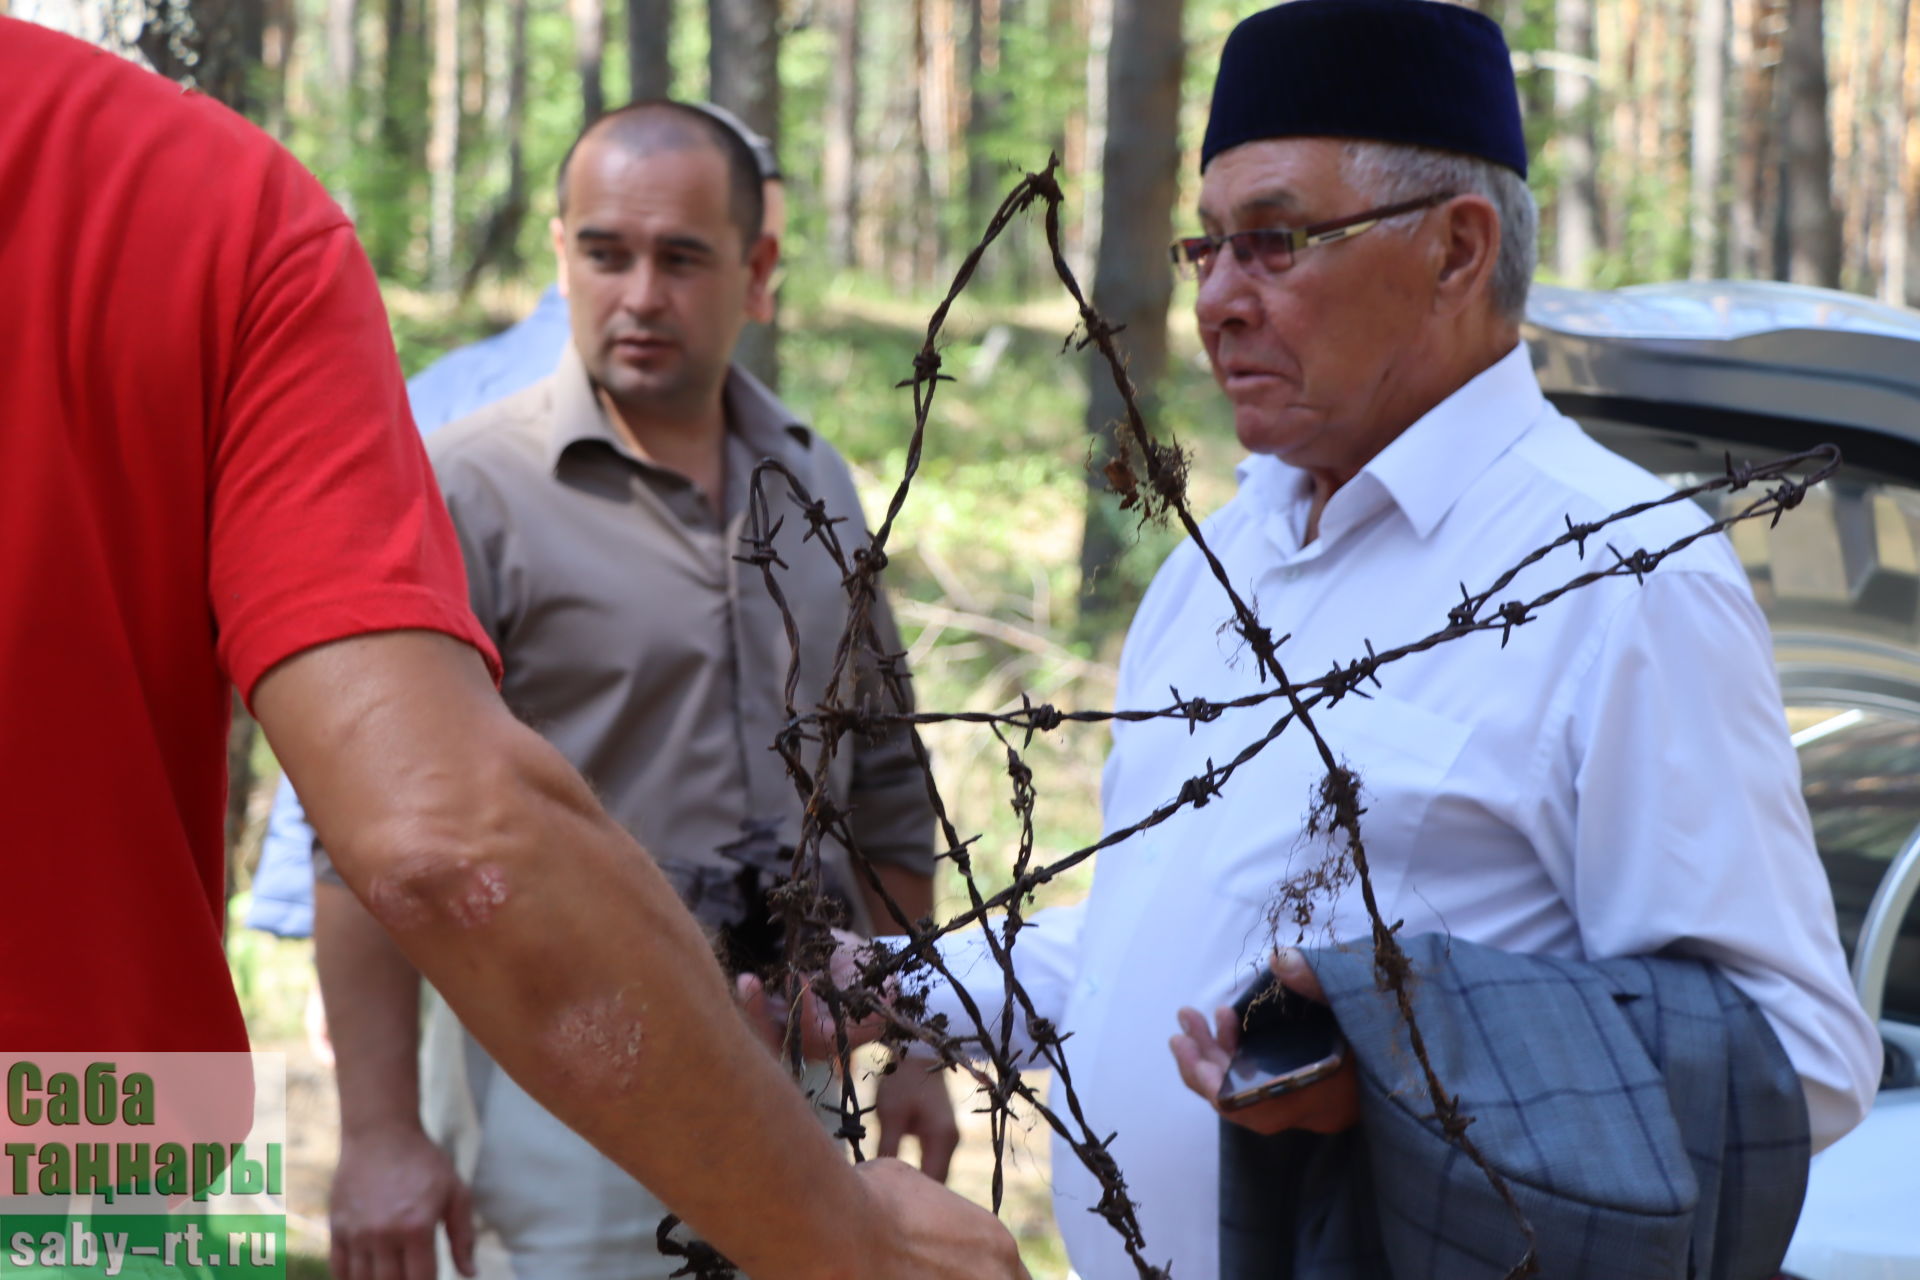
x=1680 y=378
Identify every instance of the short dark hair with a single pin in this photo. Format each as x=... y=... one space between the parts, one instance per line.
x=661 y=124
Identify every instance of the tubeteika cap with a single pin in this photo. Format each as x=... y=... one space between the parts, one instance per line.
x=1421 y=72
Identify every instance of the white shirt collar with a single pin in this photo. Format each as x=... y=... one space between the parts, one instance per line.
x=1425 y=469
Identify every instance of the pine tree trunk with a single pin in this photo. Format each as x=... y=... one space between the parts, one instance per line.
x=983 y=115
x=443 y=145
x=590 y=54
x=496 y=243
x=936 y=130
x=1133 y=283
x=840 y=158
x=473 y=71
x=743 y=70
x=393 y=63
x=1755 y=47
x=1577 y=198
x=650 y=48
x=279 y=29
x=1852 y=77
x=1100 y=18
x=1910 y=153
x=1901 y=259
x=1813 y=226
x=1709 y=134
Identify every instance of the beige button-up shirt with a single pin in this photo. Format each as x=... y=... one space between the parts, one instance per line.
x=653 y=659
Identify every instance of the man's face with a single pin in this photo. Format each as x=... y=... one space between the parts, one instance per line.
x=656 y=280
x=1312 y=358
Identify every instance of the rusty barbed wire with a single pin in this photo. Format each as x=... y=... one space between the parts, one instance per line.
x=867 y=694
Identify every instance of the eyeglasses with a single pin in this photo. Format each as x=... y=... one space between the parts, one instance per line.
x=1271 y=250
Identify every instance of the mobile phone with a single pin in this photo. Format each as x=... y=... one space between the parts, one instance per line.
x=1286 y=1042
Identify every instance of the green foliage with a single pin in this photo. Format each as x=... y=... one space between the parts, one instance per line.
x=271 y=976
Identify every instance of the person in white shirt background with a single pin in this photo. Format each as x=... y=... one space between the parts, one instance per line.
x=1616 y=780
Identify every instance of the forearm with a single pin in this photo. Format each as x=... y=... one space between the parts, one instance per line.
x=372 y=997
x=1044 y=961
x=910 y=891
x=561 y=947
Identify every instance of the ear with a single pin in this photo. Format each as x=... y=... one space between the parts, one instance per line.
x=1469 y=248
x=761 y=262
x=557 y=232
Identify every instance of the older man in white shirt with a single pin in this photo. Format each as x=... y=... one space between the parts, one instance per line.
x=1614 y=779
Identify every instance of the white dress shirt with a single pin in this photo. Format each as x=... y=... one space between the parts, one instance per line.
x=1617 y=780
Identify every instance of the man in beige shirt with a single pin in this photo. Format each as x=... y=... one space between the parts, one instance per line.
x=601 y=514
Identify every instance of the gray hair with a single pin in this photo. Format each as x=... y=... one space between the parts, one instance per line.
x=1389 y=172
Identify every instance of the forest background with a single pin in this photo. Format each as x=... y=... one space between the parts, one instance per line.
x=1669 y=139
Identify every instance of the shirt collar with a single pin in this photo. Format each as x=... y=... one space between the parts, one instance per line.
x=753 y=413
x=1427 y=467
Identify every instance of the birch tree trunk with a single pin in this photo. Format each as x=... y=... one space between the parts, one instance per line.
x=343 y=50
x=1709 y=133
x=1133 y=282
x=443 y=142
x=1577 y=199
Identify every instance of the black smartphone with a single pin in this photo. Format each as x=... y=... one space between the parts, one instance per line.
x=1286 y=1042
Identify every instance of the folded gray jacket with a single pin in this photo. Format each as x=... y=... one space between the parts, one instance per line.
x=1641 y=1110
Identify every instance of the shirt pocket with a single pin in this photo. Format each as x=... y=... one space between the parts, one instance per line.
x=1401 y=755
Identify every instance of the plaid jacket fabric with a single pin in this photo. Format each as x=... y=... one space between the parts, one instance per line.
x=1641 y=1110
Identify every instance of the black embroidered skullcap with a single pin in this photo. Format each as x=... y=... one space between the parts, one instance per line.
x=1409 y=71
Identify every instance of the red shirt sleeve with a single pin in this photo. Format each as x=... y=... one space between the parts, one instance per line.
x=325 y=520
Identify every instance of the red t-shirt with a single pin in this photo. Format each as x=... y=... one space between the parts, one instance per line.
x=206 y=466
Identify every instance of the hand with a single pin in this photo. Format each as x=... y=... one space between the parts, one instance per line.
x=911 y=1100
x=929 y=1233
x=768 y=1016
x=393 y=1186
x=1331 y=1105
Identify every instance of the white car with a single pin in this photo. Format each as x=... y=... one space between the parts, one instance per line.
x=1676 y=377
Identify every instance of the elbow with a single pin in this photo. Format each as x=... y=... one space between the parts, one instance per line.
x=451 y=851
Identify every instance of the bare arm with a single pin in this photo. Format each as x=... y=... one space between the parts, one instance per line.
x=392 y=1185
x=911 y=891
x=372 y=995
x=569 y=957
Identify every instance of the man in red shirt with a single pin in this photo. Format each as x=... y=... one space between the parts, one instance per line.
x=208 y=477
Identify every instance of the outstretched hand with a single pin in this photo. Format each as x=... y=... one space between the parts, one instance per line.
x=768 y=1015
x=1331 y=1105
